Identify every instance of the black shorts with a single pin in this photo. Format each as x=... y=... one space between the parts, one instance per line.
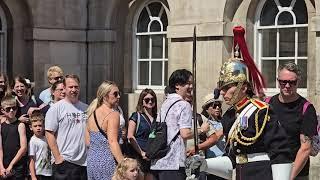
x=69 y=171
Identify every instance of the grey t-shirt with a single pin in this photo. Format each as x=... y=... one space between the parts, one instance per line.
x=68 y=121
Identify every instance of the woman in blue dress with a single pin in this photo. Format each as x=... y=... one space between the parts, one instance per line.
x=139 y=128
x=102 y=133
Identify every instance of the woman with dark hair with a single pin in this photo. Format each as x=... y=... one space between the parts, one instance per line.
x=27 y=103
x=139 y=128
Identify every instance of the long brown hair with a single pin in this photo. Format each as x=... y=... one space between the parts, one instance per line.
x=143 y=93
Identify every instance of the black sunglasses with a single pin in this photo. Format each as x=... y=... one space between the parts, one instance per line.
x=8 y=109
x=117 y=93
x=58 y=78
x=147 y=100
x=285 y=82
x=214 y=105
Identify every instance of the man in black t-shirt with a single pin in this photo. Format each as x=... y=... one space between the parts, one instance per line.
x=300 y=123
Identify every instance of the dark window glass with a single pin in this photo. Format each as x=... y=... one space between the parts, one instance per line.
x=164 y=20
x=268 y=14
x=143 y=73
x=269 y=72
x=143 y=21
x=157 y=45
x=165 y=72
x=303 y=65
x=269 y=42
x=302 y=41
x=300 y=10
x=286 y=44
x=285 y=3
x=155 y=9
x=143 y=47
x=156 y=73
x=155 y=26
x=285 y=18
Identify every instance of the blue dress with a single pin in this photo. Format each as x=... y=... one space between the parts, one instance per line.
x=101 y=163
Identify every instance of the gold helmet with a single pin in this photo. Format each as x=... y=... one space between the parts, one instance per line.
x=241 y=68
x=233 y=71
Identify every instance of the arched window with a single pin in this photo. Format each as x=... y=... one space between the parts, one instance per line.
x=281 y=36
x=3 y=42
x=151 y=47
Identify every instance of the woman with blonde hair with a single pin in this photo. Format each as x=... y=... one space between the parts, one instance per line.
x=102 y=132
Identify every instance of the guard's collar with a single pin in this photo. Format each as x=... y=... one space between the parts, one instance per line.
x=242 y=103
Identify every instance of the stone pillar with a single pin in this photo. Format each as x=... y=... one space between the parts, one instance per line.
x=314 y=82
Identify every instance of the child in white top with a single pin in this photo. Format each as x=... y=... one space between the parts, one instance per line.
x=39 y=153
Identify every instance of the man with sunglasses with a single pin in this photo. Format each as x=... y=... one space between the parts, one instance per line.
x=65 y=126
x=298 y=119
x=54 y=74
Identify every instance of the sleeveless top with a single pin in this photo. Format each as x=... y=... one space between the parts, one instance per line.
x=11 y=143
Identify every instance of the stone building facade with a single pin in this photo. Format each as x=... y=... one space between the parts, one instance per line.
x=138 y=43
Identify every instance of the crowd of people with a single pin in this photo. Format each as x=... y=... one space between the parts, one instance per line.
x=56 y=136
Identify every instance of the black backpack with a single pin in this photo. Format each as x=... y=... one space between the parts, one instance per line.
x=157 y=146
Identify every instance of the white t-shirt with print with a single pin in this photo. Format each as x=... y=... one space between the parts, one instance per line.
x=38 y=147
x=68 y=121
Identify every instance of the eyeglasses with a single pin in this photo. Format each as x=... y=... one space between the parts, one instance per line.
x=215 y=105
x=117 y=93
x=8 y=109
x=57 y=78
x=285 y=82
x=147 y=100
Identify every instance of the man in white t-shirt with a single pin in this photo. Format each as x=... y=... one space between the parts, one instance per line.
x=65 y=125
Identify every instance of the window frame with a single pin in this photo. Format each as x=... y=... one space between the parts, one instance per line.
x=136 y=47
x=3 y=42
x=258 y=42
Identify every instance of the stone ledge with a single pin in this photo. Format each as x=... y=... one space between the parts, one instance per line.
x=214 y=29
x=58 y=35
x=102 y=36
x=44 y=34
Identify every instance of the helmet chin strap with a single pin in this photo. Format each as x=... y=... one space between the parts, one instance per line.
x=236 y=93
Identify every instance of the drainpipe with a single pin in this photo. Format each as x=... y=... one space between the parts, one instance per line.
x=87 y=52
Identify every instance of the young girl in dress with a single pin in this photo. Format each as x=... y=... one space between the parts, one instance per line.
x=128 y=169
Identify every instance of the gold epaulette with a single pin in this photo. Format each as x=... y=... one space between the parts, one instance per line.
x=260 y=104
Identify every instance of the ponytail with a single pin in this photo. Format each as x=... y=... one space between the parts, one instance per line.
x=92 y=107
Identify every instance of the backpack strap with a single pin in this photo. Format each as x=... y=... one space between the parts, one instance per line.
x=268 y=99
x=138 y=122
x=169 y=109
x=305 y=106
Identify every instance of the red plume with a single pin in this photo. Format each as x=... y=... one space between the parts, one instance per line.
x=256 y=77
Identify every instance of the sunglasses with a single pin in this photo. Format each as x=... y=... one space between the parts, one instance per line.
x=147 y=100
x=57 y=78
x=8 y=109
x=117 y=93
x=215 y=105
x=285 y=82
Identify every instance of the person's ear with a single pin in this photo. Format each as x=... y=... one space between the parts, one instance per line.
x=244 y=88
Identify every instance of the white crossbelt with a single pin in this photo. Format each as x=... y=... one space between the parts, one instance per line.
x=254 y=157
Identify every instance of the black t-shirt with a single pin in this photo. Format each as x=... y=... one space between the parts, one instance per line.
x=295 y=123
